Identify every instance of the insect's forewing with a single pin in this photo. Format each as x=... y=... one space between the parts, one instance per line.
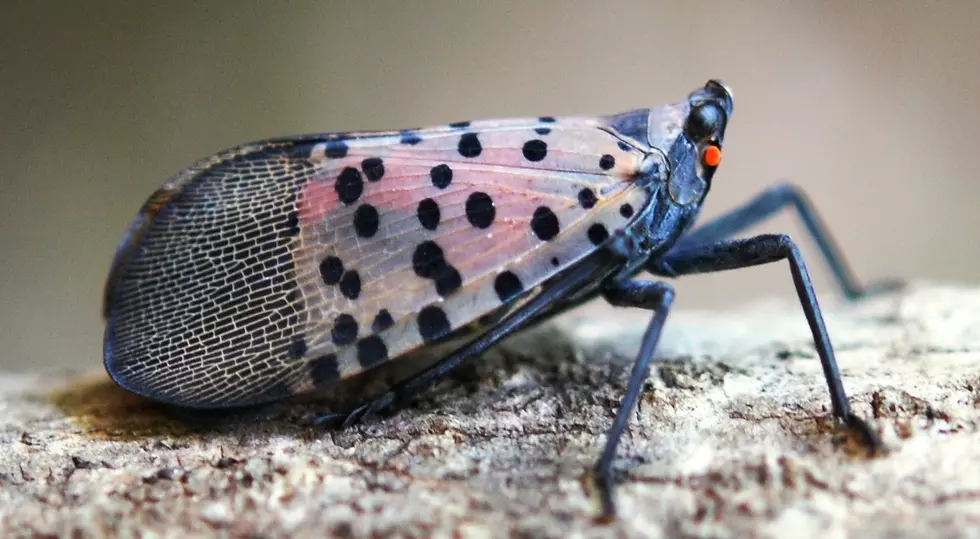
x=285 y=266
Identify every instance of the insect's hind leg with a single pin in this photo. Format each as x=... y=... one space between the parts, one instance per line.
x=764 y=249
x=761 y=207
x=655 y=296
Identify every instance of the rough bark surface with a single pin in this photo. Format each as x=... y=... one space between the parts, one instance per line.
x=732 y=438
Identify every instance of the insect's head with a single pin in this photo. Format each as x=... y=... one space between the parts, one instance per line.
x=690 y=134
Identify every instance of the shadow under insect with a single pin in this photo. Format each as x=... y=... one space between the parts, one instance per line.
x=106 y=411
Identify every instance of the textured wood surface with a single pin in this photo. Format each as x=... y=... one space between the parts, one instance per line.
x=732 y=439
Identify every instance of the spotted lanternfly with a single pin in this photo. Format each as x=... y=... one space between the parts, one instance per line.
x=284 y=266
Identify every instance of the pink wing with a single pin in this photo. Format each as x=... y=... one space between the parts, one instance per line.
x=458 y=224
x=282 y=267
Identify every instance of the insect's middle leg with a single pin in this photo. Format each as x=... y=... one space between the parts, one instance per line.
x=764 y=249
x=655 y=296
x=761 y=207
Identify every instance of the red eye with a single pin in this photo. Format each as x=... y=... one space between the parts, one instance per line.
x=711 y=156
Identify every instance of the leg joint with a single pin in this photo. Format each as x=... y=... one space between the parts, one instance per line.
x=642 y=294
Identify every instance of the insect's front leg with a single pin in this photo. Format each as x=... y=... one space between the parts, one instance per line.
x=763 y=206
x=655 y=296
x=764 y=249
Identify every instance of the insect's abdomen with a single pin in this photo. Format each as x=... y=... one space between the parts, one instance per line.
x=204 y=304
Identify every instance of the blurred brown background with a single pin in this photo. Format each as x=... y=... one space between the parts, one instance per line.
x=871 y=107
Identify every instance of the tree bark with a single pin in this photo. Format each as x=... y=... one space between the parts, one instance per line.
x=732 y=438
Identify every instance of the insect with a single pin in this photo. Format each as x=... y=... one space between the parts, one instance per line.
x=284 y=266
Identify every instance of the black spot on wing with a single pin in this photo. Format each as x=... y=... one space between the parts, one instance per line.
x=331 y=268
x=587 y=198
x=366 y=220
x=469 y=145
x=429 y=262
x=480 y=211
x=441 y=176
x=374 y=168
x=349 y=185
x=448 y=281
x=507 y=285
x=350 y=284
x=324 y=371
x=344 y=330
x=371 y=351
x=535 y=150
x=433 y=323
x=607 y=162
x=598 y=233
x=544 y=223
x=428 y=214
x=382 y=321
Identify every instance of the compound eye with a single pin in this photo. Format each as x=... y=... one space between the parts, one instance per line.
x=704 y=121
